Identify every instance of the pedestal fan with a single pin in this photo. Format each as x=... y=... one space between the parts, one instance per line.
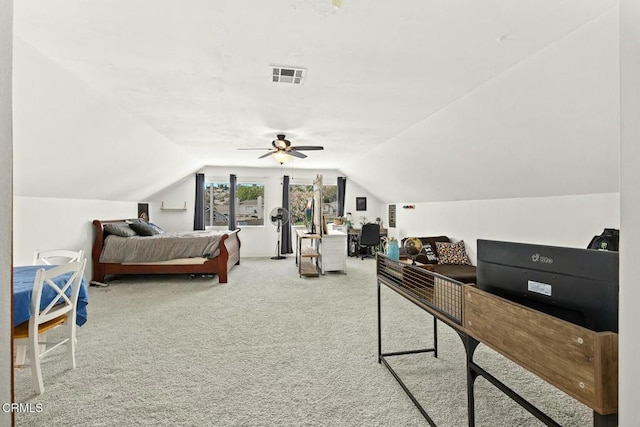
x=279 y=217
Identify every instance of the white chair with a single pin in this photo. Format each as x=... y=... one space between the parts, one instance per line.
x=52 y=257
x=57 y=256
x=60 y=312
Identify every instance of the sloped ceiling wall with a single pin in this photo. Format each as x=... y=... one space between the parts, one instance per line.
x=73 y=142
x=547 y=126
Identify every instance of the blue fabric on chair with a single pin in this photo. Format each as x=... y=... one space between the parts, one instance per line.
x=23 y=278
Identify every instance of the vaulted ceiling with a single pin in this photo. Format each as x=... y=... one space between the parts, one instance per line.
x=415 y=100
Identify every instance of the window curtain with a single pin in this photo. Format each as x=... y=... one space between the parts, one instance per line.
x=198 y=216
x=233 y=195
x=342 y=186
x=286 y=246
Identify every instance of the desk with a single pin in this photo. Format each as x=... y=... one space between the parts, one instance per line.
x=353 y=241
x=23 y=278
x=576 y=360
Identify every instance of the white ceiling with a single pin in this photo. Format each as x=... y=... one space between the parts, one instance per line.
x=415 y=100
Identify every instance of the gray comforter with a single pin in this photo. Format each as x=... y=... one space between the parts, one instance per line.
x=161 y=247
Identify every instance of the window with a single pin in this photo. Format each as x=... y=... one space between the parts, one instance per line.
x=330 y=201
x=250 y=204
x=299 y=197
x=216 y=203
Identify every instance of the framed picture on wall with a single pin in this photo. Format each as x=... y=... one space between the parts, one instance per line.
x=392 y=216
x=143 y=211
x=361 y=203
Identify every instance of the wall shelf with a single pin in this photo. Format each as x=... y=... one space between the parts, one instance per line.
x=167 y=208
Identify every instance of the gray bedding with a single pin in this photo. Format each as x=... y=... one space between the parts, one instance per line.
x=161 y=247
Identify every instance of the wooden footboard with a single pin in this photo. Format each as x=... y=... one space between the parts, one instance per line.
x=228 y=257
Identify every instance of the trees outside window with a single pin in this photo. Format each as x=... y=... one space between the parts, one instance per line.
x=330 y=201
x=250 y=204
x=300 y=195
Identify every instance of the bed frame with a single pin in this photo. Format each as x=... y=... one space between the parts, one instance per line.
x=220 y=265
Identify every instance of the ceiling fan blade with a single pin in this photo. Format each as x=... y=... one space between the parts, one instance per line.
x=296 y=154
x=307 y=147
x=266 y=155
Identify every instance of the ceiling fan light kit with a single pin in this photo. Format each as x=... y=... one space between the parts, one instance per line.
x=281 y=157
x=282 y=150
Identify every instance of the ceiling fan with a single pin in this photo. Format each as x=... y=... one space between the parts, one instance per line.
x=282 y=147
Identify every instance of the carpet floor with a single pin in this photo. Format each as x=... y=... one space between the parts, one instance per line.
x=270 y=349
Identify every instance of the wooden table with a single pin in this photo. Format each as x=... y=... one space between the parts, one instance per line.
x=580 y=362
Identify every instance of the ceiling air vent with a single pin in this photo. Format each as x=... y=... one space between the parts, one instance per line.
x=288 y=75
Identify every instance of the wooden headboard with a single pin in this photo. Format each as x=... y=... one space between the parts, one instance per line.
x=98 y=238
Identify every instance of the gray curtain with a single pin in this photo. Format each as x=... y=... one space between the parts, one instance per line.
x=342 y=187
x=233 y=194
x=198 y=216
x=286 y=247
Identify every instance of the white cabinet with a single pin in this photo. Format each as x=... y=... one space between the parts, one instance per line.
x=333 y=251
x=342 y=228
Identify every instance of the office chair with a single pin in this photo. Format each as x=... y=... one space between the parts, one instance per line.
x=369 y=238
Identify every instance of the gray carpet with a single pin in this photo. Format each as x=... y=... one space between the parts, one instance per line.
x=269 y=349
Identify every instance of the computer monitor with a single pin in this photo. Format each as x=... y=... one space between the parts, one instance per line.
x=576 y=285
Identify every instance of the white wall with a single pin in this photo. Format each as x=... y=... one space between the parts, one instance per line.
x=256 y=241
x=73 y=141
x=6 y=195
x=175 y=196
x=560 y=221
x=542 y=127
x=47 y=223
x=630 y=209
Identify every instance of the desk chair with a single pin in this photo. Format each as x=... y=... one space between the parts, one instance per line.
x=369 y=238
x=61 y=312
x=57 y=257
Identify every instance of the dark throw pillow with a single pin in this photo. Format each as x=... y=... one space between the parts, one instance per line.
x=143 y=229
x=452 y=253
x=428 y=255
x=119 y=229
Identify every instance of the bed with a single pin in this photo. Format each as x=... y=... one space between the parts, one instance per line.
x=198 y=252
